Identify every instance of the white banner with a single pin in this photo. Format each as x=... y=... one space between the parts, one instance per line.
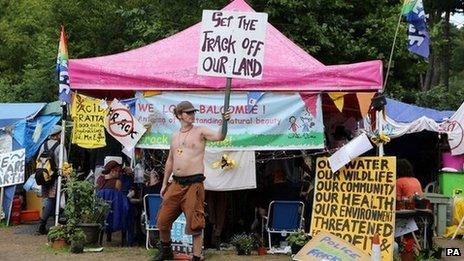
x=12 y=167
x=241 y=176
x=280 y=120
x=123 y=126
x=232 y=44
x=454 y=127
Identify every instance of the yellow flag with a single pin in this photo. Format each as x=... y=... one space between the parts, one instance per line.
x=89 y=122
x=338 y=99
x=364 y=101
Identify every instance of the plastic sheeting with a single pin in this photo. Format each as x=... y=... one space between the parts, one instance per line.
x=171 y=64
x=10 y=113
x=24 y=131
x=407 y=113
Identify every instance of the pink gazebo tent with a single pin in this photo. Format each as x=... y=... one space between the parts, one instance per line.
x=171 y=64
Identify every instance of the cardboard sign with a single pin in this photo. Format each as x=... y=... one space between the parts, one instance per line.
x=357 y=201
x=232 y=44
x=123 y=126
x=89 y=121
x=325 y=246
x=12 y=167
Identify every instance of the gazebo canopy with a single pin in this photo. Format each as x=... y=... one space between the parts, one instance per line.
x=171 y=64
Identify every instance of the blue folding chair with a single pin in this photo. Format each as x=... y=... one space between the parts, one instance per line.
x=151 y=206
x=284 y=217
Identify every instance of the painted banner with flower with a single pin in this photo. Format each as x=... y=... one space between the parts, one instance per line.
x=278 y=121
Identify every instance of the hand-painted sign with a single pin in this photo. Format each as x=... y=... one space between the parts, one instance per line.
x=12 y=167
x=122 y=125
x=232 y=44
x=278 y=121
x=357 y=201
x=89 y=121
x=325 y=246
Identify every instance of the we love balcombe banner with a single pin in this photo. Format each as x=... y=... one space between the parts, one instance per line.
x=278 y=121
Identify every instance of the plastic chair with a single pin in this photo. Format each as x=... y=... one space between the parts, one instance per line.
x=151 y=206
x=284 y=217
x=432 y=187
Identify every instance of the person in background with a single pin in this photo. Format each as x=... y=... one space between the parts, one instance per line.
x=49 y=192
x=109 y=178
x=406 y=183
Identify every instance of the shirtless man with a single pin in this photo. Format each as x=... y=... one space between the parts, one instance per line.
x=186 y=193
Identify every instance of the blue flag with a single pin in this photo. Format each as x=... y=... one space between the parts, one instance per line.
x=252 y=99
x=418 y=36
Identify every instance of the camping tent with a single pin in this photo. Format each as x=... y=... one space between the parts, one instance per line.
x=18 y=123
x=170 y=64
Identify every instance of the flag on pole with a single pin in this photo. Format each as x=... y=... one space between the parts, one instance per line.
x=62 y=69
x=418 y=36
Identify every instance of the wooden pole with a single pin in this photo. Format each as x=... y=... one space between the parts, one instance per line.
x=226 y=104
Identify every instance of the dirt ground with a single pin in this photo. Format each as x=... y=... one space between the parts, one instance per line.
x=20 y=243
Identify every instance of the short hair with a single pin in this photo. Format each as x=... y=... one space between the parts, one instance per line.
x=404 y=168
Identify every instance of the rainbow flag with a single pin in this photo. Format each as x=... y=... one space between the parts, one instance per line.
x=62 y=69
x=408 y=5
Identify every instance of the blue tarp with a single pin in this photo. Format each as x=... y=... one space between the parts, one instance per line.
x=24 y=131
x=10 y=113
x=403 y=112
x=23 y=119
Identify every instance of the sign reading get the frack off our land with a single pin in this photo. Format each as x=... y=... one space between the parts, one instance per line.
x=12 y=168
x=356 y=202
x=232 y=44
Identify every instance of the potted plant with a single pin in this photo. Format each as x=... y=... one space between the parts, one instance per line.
x=77 y=239
x=243 y=243
x=260 y=248
x=84 y=209
x=58 y=236
x=297 y=240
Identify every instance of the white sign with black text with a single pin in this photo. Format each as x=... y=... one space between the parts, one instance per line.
x=12 y=167
x=232 y=44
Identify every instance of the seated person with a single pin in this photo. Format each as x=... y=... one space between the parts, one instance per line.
x=153 y=186
x=406 y=184
x=109 y=179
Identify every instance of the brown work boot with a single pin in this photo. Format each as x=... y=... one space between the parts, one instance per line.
x=165 y=252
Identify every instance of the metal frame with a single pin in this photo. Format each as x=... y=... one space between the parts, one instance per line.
x=270 y=230
x=148 y=228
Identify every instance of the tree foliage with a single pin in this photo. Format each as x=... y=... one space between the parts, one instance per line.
x=333 y=31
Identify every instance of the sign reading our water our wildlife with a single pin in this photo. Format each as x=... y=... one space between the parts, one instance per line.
x=357 y=201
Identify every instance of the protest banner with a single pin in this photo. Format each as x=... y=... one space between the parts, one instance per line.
x=122 y=125
x=357 y=201
x=89 y=121
x=12 y=167
x=325 y=246
x=279 y=121
x=232 y=44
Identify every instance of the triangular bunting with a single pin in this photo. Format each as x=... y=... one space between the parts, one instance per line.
x=364 y=101
x=150 y=93
x=337 y=98
x=310 y=100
